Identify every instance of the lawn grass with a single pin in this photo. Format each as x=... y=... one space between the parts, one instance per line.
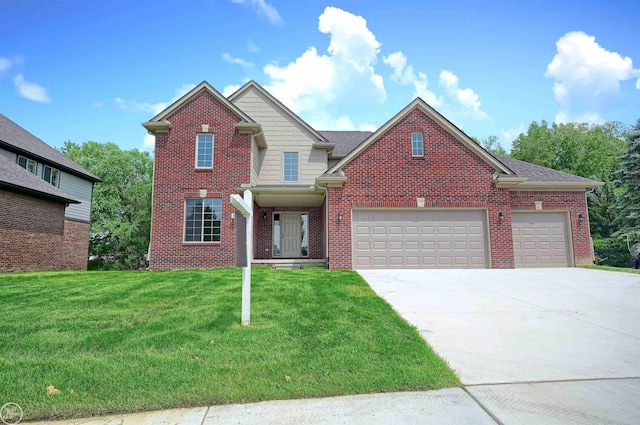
x=613 y=269
x=130 y=341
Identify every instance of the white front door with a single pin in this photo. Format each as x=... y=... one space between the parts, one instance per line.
x=290 y=226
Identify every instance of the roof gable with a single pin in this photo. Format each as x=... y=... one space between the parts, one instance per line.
x=203 y=86
x=19 y=139
x=440 y=120
x=253 y=85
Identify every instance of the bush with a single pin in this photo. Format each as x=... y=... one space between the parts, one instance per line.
x=612 y=252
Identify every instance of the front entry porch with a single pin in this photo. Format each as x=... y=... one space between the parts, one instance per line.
x=289 y=233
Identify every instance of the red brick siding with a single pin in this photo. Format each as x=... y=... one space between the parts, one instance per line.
x=175 y=179
x=450 y=175
x=31 y=233
x=263 y=230
x=75 y=245
x=575 y=203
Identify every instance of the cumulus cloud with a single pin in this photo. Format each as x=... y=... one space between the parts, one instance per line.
x=344 y=77
x=5 y=63
x=237 y=61
x=149 y=143
x=31 y=91
x=466 y=98
x=587 y=77
x=230 y=89
x=404 y=74
x=152 y=108
x=507 y=137
x=264 y=9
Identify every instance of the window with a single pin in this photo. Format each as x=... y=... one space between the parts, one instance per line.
x=204 y=151
x=291 y=166
x=50 y=175
x=417 y=144
x=202 y=220
x=29 y=164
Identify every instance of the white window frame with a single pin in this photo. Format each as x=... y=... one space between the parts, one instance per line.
x=202 y=227
x=414 y=147
x=284 y=167
x=54 y=176
x=198 y=150
x=27 y=162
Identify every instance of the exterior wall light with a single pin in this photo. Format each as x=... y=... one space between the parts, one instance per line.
x=264 y=215
x=581 y=218
x=501 y=216
x=340 y=216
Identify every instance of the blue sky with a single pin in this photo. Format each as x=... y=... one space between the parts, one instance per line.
x=94 y=70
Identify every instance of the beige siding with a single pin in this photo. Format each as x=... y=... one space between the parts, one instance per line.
x=283 y=134
x=255 y=156
x=79 y=189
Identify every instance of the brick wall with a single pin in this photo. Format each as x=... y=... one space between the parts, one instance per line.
x=575 y=203
x=449 y=175
x=75 y=245
x=175 y=179
x=31 y=233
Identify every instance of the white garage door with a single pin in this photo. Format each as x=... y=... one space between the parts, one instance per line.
x=419 y=239
x=540 y=239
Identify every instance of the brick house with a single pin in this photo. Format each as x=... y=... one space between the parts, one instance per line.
x=418 y=192
x=45 y=204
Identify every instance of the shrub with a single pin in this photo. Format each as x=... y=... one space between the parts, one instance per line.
x=612 y=252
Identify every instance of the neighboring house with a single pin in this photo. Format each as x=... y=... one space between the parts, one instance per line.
x=418 y=192
x=45 y=204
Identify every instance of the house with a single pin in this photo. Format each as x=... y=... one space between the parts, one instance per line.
x=418 y=192
x=45 y=204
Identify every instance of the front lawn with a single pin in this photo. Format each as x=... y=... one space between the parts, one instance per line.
x=86 y=343
x=613 y=269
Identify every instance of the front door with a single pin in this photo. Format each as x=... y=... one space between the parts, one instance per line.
x=290 y=235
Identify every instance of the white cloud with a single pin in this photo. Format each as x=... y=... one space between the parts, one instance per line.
x=5 y=63
x=466 y=98
x=587 y=77
x=230 y=89
x=262 y=8
x=237 y=61
x=403 y=74
x=343 y=122
x=321 y=85
x=252 y=47
x=153 y=108
x=31 y=91
x=149 y=143
x=507 y=137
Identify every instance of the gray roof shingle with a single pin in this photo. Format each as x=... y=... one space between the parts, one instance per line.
x=537 y=173
x=15 y=177
x=13 y=135
x=345 y=141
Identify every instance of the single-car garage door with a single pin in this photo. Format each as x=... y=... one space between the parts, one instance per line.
x=540 y=239
x=419 y=239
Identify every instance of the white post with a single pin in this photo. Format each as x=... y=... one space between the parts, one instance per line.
x=246 y=271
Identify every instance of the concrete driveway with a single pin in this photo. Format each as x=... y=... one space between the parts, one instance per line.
x=530 y=345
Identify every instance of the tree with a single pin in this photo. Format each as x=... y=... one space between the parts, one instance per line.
x=492 y=144
x=627 y=207
x=121 y=209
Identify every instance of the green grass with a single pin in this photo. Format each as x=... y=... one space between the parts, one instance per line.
x=613 y=269
x=131 y=341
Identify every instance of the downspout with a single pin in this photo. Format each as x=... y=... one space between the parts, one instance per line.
x=326 y=223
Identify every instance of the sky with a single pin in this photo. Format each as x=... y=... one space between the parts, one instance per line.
x=85 y=70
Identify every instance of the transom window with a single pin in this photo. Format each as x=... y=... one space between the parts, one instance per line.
x=202 y=220
x=291 y=166
x=204 y=151
x=417 y=144
x=50 y=175
x=29 y=164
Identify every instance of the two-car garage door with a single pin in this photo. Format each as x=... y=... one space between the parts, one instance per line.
x=419 y=239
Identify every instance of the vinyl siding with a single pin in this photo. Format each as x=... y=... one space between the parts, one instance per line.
x=81 y=190
x=283 y=134
x=255 y=161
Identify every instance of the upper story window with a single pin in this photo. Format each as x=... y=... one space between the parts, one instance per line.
x=29 y=164
x=204 y=151
x=202 y=220
x=51 y=175
x=417 y=144
x=291 y=166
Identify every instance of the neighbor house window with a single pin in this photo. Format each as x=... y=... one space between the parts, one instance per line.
x=202 y=220
x=50 y=175
x=29 y=164
x=417 y=144
x=204 y=151
x=291 y=166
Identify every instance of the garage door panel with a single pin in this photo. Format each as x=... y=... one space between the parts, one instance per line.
x=419 y=238
x=540 y=239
